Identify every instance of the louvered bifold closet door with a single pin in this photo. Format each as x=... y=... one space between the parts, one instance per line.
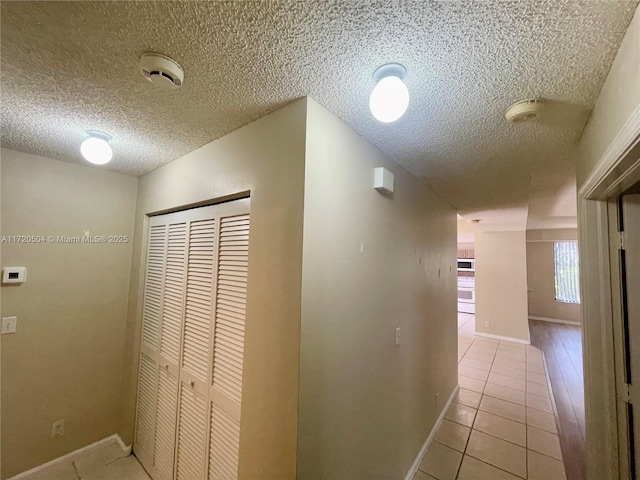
x=148 y=370
x=195 y=365
x=190 y=380
x=228 y=351
x=162 y=320
x=170 y=345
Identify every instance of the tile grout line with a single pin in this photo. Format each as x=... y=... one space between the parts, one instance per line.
x=526 y=407
x=471 y=430
x=466 y=444
x=500 y=438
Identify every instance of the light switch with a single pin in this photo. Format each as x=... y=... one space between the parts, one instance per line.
x=9 y=324
x=397 y=336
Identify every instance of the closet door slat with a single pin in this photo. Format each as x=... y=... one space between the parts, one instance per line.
x=174 y=292
x=198 y=316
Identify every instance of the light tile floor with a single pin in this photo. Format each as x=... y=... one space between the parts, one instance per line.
x=501 y=426
x=127 y=468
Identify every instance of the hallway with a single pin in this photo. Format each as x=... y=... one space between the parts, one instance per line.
x=501 y=425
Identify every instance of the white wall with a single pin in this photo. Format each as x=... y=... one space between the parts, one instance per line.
x=618 y=100
x=501 y=284
x=372 y=263
x=65 y=361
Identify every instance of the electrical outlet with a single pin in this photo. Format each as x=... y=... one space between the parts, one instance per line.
x=486 y=324
x=58 y=429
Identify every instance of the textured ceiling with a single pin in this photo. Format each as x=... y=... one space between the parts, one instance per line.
x=71 y=66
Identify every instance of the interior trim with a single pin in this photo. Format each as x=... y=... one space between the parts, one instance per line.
x=423 y=451
x=555 y=320
x=622 y=155
x=501 y=337
x=204 y=203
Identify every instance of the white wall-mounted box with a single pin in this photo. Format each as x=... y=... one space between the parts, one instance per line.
x=383 y=180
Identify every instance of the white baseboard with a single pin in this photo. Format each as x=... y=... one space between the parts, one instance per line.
x=127 y=449
x=555 y=320
x=500 y=337
x=423 y=451
x=71 y=456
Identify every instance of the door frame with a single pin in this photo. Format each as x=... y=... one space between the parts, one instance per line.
x=616 y=171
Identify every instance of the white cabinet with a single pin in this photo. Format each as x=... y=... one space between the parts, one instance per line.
x=466 y=253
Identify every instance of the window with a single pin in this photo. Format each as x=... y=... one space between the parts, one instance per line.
x=565 y=255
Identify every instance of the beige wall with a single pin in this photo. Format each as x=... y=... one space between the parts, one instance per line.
x=541 y=275
x=466 y=238
x=618 y=100
x=65 y=361
x=501 y=284
x=266 y=158
x=466 y=230
x=372 y=263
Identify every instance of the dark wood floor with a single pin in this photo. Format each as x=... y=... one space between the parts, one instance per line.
x=562 y=347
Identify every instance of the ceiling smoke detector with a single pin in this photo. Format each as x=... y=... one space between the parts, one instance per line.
x=161 y=71
x=524 y=111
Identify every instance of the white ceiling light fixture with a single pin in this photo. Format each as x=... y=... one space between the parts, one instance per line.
x=390 y=97
x=96 y=148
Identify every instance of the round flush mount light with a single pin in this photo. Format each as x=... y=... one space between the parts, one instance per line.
x=524 y=110
x=390 y=97
x=162 y=71
x=96 y=148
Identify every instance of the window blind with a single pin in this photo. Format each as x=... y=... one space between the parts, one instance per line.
x=567 y=272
